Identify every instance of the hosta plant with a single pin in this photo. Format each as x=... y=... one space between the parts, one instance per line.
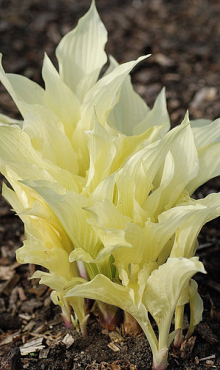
x=104 y=188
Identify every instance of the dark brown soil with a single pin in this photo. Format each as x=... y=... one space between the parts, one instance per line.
x=183 y=37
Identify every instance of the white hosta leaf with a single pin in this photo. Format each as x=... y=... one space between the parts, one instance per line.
x=164 y=288
x=175 y=177
x=104 y=190
x=107 y=215
x=81 y=53
x=116 y=231
x=58 y=284
x=207 y=140
x=23 y=152
x=41 y=225
x=183 y=298
x=80 y=254
x=212 y=201
x=70 y=210
x=199 y=123
x=134 y=236
x=22 y=90
x=130 y=108
x=184 y=151
x=130 y=185
x=158 y=116
x=127 y=146
x=196 y=306
x=102 y=96
x=34 y=251
x=155 y=203
x=102 y=289
x=27 y=163
x=12 y=198
x=209 y=166
x=141 y=169
x=59 y=98
x=102 y=152
x=47 y=137
x=109 y=224
x=205 y=132
x=51 y=279
x=144 y=274
x=5 y=120
x=71 y=316
x=158 y=234
x=186 y=236
x=189 y=295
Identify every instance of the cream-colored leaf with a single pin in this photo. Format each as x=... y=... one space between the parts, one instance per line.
x=130 y=108
x=211 y=201
x=185 y=243
x=107 y=215
x=104 y=93
x=34 y=251
x=12 y=198
x=71 y=212
x=22 y=90
x=209 y=166
x=47 y=137
x=181 y=166
x=79 y=254
x=109 y=224
x=196 y=306
x=156 y=201
x=159 y=233
x=5 y=120
x=127 y=146
x=105 y=189
x=27 y=163
x=141 y=169
x=164 y=288
x=125 y=240
x=102 y=289
x=59 y=98
x=205 y=132
x=102 y=152
x=158 y=116
x=81 y=53
x=101 y=97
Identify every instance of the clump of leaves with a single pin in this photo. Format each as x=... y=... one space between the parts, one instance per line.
x=104 y=188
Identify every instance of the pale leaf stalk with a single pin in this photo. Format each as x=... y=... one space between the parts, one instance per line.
x=179 y=313
x=160 y=356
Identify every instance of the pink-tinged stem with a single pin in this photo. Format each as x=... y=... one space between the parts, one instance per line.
x=160 y=359
x=82 y=270
x=109 y=316
x=179 y=338
x=67 y=321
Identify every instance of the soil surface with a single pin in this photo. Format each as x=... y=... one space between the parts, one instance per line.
x=183 y=38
